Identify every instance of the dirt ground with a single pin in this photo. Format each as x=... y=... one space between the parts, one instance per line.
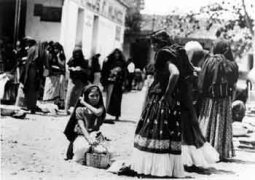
x=34 y=148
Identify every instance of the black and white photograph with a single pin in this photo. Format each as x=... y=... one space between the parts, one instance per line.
x=127 y=89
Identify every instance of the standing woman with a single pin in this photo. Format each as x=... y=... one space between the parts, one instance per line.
x=113 y=76
x=197 y=56
x=33 y=74
x=196 y=152
x=158 y=136
x=217 y=84
x=78 y=68
x=54 y=89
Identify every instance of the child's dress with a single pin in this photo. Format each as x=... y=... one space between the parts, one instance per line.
x=81 y=145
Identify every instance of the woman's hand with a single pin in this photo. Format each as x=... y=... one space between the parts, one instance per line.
x=92 y=141
x=82 y=101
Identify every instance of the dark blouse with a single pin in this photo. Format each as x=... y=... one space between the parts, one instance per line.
x=114 y=71
x=79 y=75
x=55 y=67
x=215 y=69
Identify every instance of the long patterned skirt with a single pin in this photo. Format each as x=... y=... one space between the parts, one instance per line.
x=54 y=89
x=157 y=144
x=195 y=150
x=216 y=125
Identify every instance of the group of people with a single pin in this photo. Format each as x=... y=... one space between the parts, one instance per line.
x=41 y=69
x=186 y=119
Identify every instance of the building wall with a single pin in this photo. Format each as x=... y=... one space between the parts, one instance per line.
x=42 y=30
x=95 y=33
x=77 y=26
x=68 y=27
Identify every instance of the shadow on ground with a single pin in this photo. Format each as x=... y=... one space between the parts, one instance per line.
x=113 y=121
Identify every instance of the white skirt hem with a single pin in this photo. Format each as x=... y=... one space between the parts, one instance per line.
x=200 y=157
x=161 y=165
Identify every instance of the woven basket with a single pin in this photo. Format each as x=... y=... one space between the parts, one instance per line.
x=97 y=160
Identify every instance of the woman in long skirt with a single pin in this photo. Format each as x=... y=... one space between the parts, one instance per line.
x=33 y=74
x=158 y=136
x=216 y=82
x=196 y=151
x=54 y=89
x=113 y=76
x=78 y=68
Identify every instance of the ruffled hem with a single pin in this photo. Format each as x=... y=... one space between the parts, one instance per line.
x=161 y=165
x=200 y=157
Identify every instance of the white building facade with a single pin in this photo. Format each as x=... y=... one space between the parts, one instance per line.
x=95 y=25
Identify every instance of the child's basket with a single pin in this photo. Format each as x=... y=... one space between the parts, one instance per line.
x=97 y=160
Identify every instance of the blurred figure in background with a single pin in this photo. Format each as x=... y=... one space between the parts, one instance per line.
x=79 y=78
x=138 y=79
x=54 y=89
x=113 y=77
x=131 y=74
x=8 y=80
x=33 y=74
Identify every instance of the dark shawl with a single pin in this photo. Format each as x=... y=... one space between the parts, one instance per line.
x=78 y=60
x=221 y=55
x=69 y=129
x=179 y=58
x=111 y=63
x=36 y=56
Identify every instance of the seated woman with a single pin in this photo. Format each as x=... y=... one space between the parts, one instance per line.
x=88 y=116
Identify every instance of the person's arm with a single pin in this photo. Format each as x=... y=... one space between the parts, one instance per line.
x=97 y=111
x=173 y=78
x=85 y=132
x=61 y=63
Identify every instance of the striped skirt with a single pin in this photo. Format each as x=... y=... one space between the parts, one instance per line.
x=54 y=88
x=215 y=121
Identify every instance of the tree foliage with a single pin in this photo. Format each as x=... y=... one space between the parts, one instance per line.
x=236 y=23
x=233 y=22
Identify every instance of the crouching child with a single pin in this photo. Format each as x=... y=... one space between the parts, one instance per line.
x=85 y=122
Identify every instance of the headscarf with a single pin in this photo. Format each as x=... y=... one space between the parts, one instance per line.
x=111 y=58
x=29 y=41
x=77 y=53
x=161 y=37
x=195 y=52
x=69 y=130
x=60 y=48
x=77 y=57
x=221 y=62
x=222 y=46
x=183 y=64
